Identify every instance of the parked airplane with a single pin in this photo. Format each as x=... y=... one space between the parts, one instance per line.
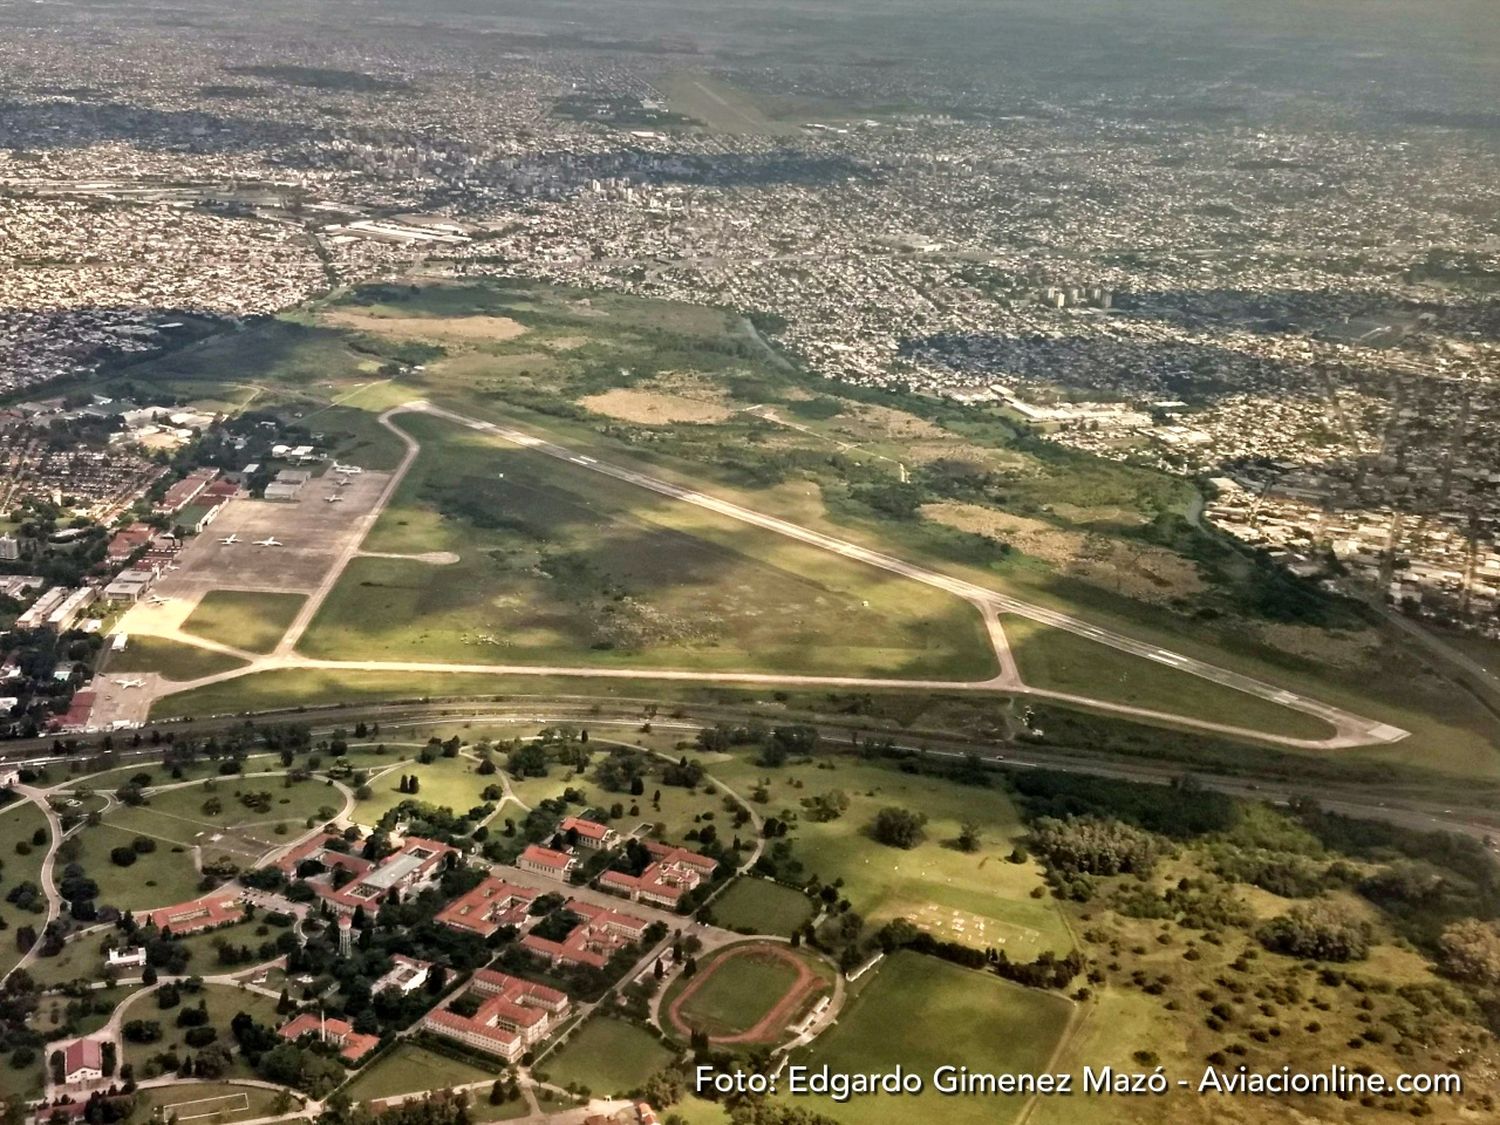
x=269 y=541
x=342 y=482
x=157 y=599
x=334 y=499
x=347 y=470
x=231 y=540
x=131 y=683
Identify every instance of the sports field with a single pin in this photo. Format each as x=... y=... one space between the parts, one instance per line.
x=209 y=1103
x=1062 y=661
x=906 y=1015
x=558 y=564
x=244 y=619
x=745 y=994
x=979 y=898
x=606 y=1057
x=759 y=906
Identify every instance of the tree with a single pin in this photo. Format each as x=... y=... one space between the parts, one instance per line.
x=968 y=836
x=1471 y=951
x=1319 y=930
x=898 y=828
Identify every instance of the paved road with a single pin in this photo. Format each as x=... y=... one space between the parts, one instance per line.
x=1349 y=729
x=46 y=880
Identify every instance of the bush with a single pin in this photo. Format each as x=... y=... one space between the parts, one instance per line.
x=898 y=828
x=1319 y=931
x=122 y=856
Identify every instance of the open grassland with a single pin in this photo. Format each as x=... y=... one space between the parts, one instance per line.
x=19 y=824
x=222 y=1004
x=1058 y=660
x=606 y=1057
x=759 y=906
x=979 y=898
x=721 y=107
x=560 y=565
x=906 y=1015
x=160 y=878
x=249 y=620
x=410 y=1068
x=445 y=782
x=172 y=659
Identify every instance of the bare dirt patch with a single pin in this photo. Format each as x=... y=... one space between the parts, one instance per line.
x=649 y=407
x=472 y=329
x=1136 y=570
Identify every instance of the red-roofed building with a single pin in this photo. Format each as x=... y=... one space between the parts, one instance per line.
x=185 y=491
x=513 y=1015
x=80 y=711
x=416 y=862
x=128 y=541
x=206 y=913
x=588 y=833
x=547 y=861
x=492 y=904
x=352 y=1045
x=672 y=873
x=83 y=1062
x=596 y=938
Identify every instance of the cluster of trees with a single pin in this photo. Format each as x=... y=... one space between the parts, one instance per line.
x=1093 y=846
x=1317 y=931
x=1047 y=971
x=896 y=827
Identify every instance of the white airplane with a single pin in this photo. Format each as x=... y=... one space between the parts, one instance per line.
x=342 y=482
x=131 y=683
x=269 y=541
x=334 y=499
x=231 y=540
x=347 y=470
x=157 y=599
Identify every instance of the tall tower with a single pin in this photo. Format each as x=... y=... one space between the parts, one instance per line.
x=346 y=935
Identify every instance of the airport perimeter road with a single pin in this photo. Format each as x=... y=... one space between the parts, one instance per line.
x=1352 y=729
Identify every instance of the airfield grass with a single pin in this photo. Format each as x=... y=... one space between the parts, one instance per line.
x=173 y=660
x=1058 y=660
x=18 y=825
x=410 y=1068
x=759 y=906
x=979 y=898
x=582 y=343
x=607 y=1057
x=206 y=1101
x=251 y=620
x=559 y=564
x=906 y=1015
x=734 y=991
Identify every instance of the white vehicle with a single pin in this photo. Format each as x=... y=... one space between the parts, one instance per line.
x=334 y=499
x=269 y=541
x=232 y=539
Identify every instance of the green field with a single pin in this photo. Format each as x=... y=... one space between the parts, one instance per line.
x=559 y=564
x=19 y=822
x=737 y=994
x=172 y=659
x=410 y=1068
x=222 y=1003
x=223 y=1102
x=907 y=1015
x=759 y=906
x=606 y=1057
x=1058 y=660
x=160 y=878
x=249 y=620
x=979 y=898
x=445 y=782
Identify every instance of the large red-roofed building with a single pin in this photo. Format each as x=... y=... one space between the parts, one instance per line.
x=489 y=906
x=596 y=938
x=352 y=1044
x=513 y=1015
x=206 y=913
x=672 y=873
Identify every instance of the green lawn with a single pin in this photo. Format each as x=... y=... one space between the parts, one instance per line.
x=219 y=1102
x=979 y=898
x=607 y=1057
x=80 y=957
x=921 y=1013
x=583 y=568
x=761 y=907
x=223 y=1003
x=172 y=659
x=409 y=1068
x=164 y=877
x=1058 y=660
x=19 y=822
x=446 y=782
x=248 y=620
